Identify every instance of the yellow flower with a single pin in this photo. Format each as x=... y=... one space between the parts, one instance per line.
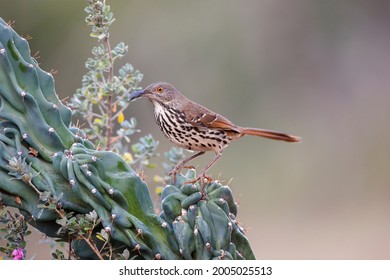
x=158 y=179
x=128 y=157
x=159 y=190
x=121 y=117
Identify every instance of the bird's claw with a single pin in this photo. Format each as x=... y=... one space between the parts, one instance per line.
x=201 y=176
x=188 y=166
x=176 y=170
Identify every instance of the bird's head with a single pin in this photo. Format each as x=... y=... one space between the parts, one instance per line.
x=161 y=91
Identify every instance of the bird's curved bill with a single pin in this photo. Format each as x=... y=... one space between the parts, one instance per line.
x=135 y=95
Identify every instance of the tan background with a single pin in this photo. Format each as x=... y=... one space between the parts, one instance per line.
x=319 y=69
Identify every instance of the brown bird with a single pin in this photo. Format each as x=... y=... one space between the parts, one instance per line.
x=194 y=127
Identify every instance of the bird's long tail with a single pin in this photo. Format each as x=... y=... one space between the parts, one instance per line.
x=276 y=135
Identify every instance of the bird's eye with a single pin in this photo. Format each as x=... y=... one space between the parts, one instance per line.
x=160 y=90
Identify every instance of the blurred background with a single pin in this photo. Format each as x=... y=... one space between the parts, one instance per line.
x=313 y=68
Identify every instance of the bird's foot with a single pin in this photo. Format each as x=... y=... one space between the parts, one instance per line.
x=188 y=166
x=176 y=170
x=173 y=177
x=202 y=177
x=173 y=173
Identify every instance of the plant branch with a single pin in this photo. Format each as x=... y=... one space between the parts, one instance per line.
x=110 y=76
x=93 y=247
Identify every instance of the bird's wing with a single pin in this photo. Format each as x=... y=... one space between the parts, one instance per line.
x=202 y=117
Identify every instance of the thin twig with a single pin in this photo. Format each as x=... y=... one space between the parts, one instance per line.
x=93 y=247
x=109 y=78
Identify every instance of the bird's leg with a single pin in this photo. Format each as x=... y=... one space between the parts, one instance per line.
x=207 y=167
x=181 y=164
x=188 y=167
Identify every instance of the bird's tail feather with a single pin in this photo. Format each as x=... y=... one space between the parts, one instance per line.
x=276 y=135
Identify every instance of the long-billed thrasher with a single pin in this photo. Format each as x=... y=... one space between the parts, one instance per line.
x=194 y=127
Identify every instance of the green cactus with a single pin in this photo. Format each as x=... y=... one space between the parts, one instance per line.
x=52 y=174
x=203 y=219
